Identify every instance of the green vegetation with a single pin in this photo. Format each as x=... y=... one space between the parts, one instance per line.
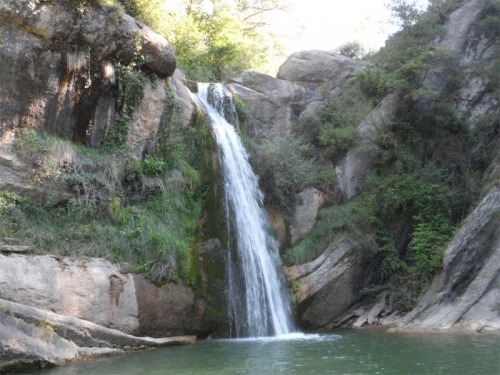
x=213 y=40
x=285 y=169
x=145 y=212
x=131 y=83
x=427 y=158
x=344 y=221
x=340 y=117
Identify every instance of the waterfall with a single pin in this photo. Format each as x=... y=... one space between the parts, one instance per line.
x=258 y=302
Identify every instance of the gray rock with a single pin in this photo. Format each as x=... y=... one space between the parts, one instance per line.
x=56 y=61
x=329 y=285
x=82 y=288
x=305 y=212
x=466 y=292
x=97 y=290
x=147 y=118
x=318 y=67
x=184 y=107
x=274 y=105
x=15 y=177
x=354 y=167
x=33 y=337
x=170 y=310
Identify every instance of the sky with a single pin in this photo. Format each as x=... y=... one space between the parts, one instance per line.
x=327 y=24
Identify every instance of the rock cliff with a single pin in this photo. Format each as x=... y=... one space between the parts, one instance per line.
x=328 y=288
x=62 y=78
x=61 y=75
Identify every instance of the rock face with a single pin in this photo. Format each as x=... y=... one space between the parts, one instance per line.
x=147 y=118
x=318 y=67
x=60 y=77
x=330 y=284
x=34 y=337
x=354 y=167
x=467 y=291
x=274 y=105
x=53 y=310
x=308 y=204
x=97 y=291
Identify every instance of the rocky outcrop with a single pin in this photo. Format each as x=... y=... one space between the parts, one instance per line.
x=318 y=67
x=16 y=177
x=466 y=292
x=170 y=310
x=330 y=284
x=110 y=33
x=96 y=290
x=279 y=106
x=147 y=118
x=61 y=65
x=274 y=105
x=352 y=170
x=306 y=210
x=33 y=337
x=465 y=36
x=54 y=310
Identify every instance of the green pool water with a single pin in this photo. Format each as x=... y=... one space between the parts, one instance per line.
x=346 y=352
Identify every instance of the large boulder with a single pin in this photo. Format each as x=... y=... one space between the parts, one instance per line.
x=318 y=67
x=273 y=105
x=34 y=337
x=59 y=76
x=466 y=292
x=326 y=287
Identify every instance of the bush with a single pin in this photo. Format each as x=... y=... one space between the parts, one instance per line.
x=143 y=212
x=340 y=117
x=285 y=169
x=349 y=220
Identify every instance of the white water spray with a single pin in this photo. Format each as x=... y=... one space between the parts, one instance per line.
x=258 y=301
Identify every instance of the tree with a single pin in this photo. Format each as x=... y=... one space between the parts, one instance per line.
x=404 y=13
x=213 y=39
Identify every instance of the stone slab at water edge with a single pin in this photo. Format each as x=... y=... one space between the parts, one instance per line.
x=53 y=310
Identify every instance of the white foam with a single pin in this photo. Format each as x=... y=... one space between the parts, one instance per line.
x=294 y=336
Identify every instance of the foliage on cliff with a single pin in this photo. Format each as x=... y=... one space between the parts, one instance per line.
x=428 y=161
x=146 y=212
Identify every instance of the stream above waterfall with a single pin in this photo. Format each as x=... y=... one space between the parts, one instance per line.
x=346 y=352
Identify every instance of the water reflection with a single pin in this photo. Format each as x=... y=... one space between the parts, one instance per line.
x=351 y=352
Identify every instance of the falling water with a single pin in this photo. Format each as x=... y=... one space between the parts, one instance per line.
x=258 y=301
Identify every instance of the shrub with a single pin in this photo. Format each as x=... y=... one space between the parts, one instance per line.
x=285 y=170
x=349 y=220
